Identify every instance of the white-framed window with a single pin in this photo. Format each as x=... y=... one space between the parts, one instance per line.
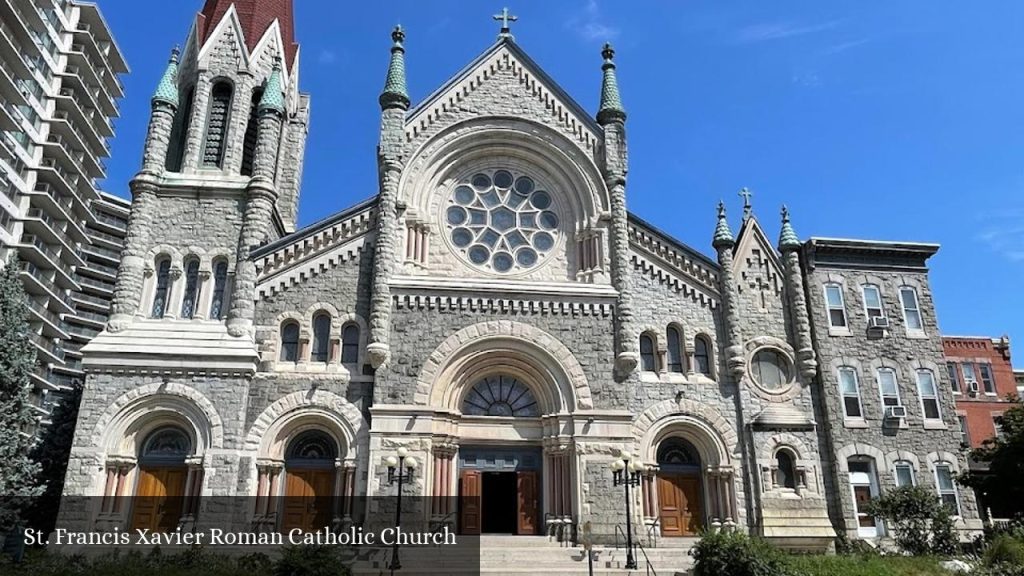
x=997 y=425
x=987 y=383
x=888 y=387
x=946 y=487
x=836 y=306
x=965 y=434
x=903 y=472
x=911 y=309
x=850 y=391
x=872 y=301
x=954 y=377
x=970 y=375
x=929 y=395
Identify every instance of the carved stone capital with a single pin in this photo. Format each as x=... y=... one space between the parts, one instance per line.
x=626 y=363
x=378 y=354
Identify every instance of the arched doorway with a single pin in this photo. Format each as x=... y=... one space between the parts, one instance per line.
x=309 y=469
x=680 y=500
x=160 y=488
x=499 y=485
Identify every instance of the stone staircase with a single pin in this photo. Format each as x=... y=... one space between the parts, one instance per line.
x=501 y=555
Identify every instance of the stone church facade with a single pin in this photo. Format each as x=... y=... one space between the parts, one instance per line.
x=495 y=311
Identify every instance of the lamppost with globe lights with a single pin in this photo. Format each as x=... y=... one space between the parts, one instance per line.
x=627 y=473
x=400 y=470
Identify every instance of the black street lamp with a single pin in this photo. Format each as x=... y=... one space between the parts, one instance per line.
x=400 y=470
x=627 y=473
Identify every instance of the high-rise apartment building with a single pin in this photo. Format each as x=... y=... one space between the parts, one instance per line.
x=59 y=88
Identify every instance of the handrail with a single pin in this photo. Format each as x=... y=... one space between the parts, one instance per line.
x=650 y=567
x=652 y=534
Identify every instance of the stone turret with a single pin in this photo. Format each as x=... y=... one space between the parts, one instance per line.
x=789 y=245
x=131 y=273
x=394 y=102
x=724 y=243
x=612 y=117
x=260 y=201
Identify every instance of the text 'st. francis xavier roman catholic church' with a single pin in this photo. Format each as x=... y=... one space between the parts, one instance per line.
x=497 y=311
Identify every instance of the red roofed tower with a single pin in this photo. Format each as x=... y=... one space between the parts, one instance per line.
x=255 y=18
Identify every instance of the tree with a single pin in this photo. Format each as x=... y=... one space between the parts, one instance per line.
x=920 y=522
x=18 y=472
x=52 y=453
x=1003 y=482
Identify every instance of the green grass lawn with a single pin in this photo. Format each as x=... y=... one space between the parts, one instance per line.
x=867 y=566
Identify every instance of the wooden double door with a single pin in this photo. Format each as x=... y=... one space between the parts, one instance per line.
x=499 y=502
x=308 y=499
x=680 y=505
x=159 y=498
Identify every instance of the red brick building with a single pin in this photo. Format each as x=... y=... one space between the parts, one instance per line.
x=982 y=377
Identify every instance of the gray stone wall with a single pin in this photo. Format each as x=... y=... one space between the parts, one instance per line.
x=900 y=350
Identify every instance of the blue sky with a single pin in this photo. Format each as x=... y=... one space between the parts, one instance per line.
x=881 y=120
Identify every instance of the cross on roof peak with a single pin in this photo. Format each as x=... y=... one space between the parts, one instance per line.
x=505 y=18
x=745 y=193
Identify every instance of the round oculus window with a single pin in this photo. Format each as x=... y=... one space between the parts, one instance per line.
x=502 y=221
x=771 y=369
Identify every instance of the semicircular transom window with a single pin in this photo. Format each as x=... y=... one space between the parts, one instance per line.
x=502 y=221
x=500 y=396
x=169 y=443
x=313 y=445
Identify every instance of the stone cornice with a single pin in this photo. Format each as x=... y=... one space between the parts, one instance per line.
x=671 y=277
x=492 y=295
x=668 y=254
x=503 y=305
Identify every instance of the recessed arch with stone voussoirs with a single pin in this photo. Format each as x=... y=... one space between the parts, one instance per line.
x=696 y=488
x=504 y=348
x=308 y=444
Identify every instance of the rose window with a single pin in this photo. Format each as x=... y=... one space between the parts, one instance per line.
x=501 y=221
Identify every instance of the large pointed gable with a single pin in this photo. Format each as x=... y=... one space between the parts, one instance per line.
x=505 y=54
x=755 y=260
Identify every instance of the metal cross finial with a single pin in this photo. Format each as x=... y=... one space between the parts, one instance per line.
x=745 y=193
x=505 y=18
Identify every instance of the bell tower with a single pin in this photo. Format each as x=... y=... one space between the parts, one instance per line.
x=222 y=163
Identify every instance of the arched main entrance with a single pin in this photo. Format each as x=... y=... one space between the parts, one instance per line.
x=309 y=471
x=160 y=487
x=680 y=498
x=499 y=484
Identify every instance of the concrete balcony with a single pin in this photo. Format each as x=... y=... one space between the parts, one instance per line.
x=37 y=282
x=80 y=56
x=102 y=253
x=40 y=224
x=33 y=249
x=58 y=205
x=53 y=326
x=89 y=302
x=47 y=350
x=98 y=286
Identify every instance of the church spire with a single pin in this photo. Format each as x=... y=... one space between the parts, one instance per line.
x=254 y=18
x=723 y=235
x=167 y=89
x=788 y=239
x=273 y=94
x=611 y=104
x=395 y=94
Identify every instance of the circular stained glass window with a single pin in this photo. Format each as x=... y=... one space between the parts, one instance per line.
x=502 y=221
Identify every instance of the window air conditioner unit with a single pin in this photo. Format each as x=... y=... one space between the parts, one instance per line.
x=895 y=412
x=973 y=387
x=878 y=323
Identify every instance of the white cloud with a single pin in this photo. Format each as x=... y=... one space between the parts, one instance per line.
x=591 y=25
x=768 y=31
x=1004 y=233
x=327 y=57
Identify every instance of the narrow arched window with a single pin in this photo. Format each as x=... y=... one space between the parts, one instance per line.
x=290 y=342
x=251 y=134
x=220 y=280
x=188 y=303
x=648 y=362
x=163 y=282
x=785 y=470
x=179 y=133
x=702 y=355
x=350 y=344
x=217 y=125
x=321 y=337
x=675 y=350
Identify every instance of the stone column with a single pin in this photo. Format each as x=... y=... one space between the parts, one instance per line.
x=723 y=244
x=790 y=247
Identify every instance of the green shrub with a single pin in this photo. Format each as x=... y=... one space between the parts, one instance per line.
x=1004 y=549
x=309 y=561
x=736 y=554
x=866 y=565
x=920 y=523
